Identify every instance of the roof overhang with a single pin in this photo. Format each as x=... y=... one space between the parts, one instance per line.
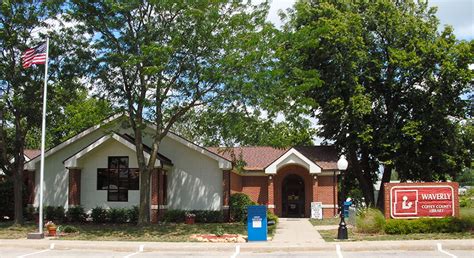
x=292 y=156
x=72 y=162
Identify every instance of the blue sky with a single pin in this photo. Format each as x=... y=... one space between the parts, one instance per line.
x=457 y=13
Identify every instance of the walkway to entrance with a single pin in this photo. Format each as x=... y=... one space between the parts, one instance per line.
x=296 y=231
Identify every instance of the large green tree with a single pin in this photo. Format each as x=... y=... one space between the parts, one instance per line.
x=24 y=24
x=386 y=85
x=160 y=59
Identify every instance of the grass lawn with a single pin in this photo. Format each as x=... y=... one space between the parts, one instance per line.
x=125 y=232
x=320 y=222
x=330 y=235
x=466 y=212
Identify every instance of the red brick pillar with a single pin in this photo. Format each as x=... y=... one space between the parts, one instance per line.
x=162 y=194
x=271 y=193
x=315 y=188
x=155 y=189
x=226 y=194
x=29 y=178
x=74 y=195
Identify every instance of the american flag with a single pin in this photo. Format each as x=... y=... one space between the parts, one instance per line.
x=36 y=55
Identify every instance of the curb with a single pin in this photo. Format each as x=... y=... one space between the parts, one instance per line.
x=413 y=245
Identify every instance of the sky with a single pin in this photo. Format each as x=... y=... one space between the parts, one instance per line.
x=457 y=13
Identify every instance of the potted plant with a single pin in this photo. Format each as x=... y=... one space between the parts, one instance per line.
x=51 y=227
x=189 y=217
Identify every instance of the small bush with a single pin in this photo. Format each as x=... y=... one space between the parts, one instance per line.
x=30 y=213
x=117 y=215
x=176 y=216
x=69 y=229
x=99 y=215
x=272 y=216
x=205 y=216
x=76 y=214
x=132 y=214
x=53 y=213
x=370 y=221
x=429 y=225
x=219 y=231
x=238 y=206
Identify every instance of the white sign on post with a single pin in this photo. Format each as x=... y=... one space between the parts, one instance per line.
x=317 y=210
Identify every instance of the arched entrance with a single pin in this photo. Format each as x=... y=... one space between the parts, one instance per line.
x=293 y=197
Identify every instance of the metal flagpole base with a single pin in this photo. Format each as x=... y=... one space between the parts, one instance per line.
x=35 y=235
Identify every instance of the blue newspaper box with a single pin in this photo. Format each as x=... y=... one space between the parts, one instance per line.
x=346 y=209
x=257 y=223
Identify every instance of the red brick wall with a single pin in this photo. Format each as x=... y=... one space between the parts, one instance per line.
x=256 y=187
x=325 y=189
x=308 y=181
x=388 y=187
x=235 y=183
x=74 y=195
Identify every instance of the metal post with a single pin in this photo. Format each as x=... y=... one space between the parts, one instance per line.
x=342 y=230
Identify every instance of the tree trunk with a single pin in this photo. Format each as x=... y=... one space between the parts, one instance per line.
x=387 y=173
x=18 y=194
x=144 y=209
x=366 y=186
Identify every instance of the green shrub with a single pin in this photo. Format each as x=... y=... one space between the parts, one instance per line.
x=132 y=214
x=466 y=202
x=30 y=213
x=219 y=231
x=370 y=221
x=69 y=229
x=429 y=225
x=99 y=215
x=272 y=216
x=238 y=206
x=205 y=216
x=56 y=214
x=176 y=216
x=76 y=214
x=117 y=215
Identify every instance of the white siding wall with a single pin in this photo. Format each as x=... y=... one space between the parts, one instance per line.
x=194 y=182
x=98 y=158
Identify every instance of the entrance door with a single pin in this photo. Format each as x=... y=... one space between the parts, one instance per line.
x=293 y=197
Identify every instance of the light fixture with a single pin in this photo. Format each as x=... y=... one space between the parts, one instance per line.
x=342 y=163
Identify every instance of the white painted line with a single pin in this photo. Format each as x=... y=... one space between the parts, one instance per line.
x=237 y=251
x=440 y=248
x=140 y=250
x=338 y=251
x=51 y=247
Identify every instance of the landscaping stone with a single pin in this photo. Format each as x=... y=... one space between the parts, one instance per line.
x=226 y=238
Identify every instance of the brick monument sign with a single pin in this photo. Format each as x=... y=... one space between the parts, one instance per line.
x=415 y=200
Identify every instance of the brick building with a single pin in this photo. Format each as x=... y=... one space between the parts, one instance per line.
x=98 y=167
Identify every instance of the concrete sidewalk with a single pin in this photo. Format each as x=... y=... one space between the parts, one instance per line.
x=294 y=231
x=270 y=246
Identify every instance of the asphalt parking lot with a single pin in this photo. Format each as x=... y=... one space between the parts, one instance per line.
x=6 y=252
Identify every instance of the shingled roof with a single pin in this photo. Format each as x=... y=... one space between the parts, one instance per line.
x=260 y=157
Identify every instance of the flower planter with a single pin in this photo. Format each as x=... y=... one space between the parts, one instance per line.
x=189 y=220
x=52 y=231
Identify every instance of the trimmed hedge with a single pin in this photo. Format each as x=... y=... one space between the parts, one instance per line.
x=429 y=225
x=202 y=216
x=54 y=213
x=76 y=214
x=99 y=215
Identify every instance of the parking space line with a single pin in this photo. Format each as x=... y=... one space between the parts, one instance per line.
x=440 y=248
x=140 y=250
x=338 y=251
x=51 y=247
x=237 y=251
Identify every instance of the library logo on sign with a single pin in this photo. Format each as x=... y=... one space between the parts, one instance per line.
x=405 y=202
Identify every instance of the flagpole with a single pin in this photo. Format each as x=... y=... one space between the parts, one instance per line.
x=43 y=136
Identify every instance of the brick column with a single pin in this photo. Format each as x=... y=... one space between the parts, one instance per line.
x=271 y=193
x=29 y=179
x=155 y=189
x=315 y=188
x=74 y=195
x=226 y=194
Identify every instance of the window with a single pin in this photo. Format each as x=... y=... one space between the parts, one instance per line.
x=117 y=179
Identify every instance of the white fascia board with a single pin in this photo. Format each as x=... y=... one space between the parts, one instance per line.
x=223 y=163
x=292 y=156
x=72 y=161
x=31 y=163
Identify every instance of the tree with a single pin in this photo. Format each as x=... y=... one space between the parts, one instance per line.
x=159 y=60
x=23 y=24
x=386 y=85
